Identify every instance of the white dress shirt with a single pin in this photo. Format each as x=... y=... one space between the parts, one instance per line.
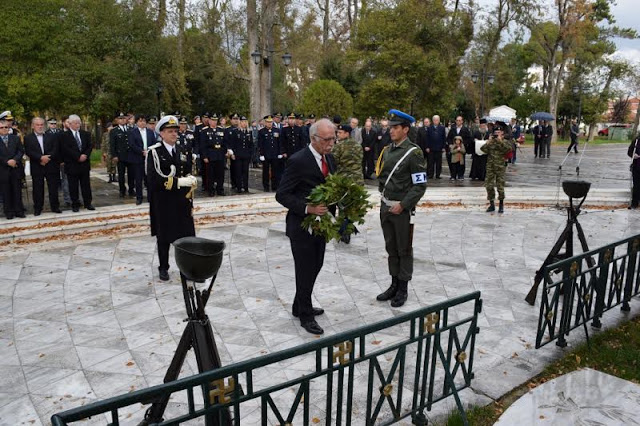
x=40 y=141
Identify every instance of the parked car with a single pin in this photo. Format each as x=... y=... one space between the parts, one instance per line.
x=605 y=131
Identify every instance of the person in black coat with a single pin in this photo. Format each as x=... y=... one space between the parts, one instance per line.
x=171 y=187
x=76 y=149
x=270 y=154
x=459 y=129
x=43 y=151
x=214 y=149
x=11 y=172
x=242 y=148
x=292 y=140
x=140 y=138
x=305 y=170
x=383 y=138
x=634 y=153
x=369 y=138
x=542 y=134
x=120 y=148
x=436 y=143
x=479 y=162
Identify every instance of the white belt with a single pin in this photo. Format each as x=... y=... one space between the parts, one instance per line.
x=389 y=203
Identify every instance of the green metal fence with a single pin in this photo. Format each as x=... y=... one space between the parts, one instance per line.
x=376 y=374
x=588 y=288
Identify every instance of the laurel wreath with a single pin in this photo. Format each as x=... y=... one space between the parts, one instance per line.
x=352 y=201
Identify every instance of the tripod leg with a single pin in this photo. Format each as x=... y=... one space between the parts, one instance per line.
x=207 y=357
x=583 y=243
x=531 y=297
x=155 y=412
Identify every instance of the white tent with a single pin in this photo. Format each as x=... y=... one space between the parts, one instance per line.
x=503 y=111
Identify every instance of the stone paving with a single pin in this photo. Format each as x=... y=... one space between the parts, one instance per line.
x=85 y=321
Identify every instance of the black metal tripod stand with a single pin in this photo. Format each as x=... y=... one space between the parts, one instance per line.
x=199 y=336
x=566 y=238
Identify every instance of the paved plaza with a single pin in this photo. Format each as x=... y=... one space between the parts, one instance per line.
x=86 y=319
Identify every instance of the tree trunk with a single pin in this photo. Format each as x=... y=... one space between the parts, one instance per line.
x=181 y=24
x=254 y=70
x=266 y=79
x=162 y=14
x=325 y=23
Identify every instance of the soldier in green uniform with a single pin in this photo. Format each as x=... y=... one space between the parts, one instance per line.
x=496 y=149
x=105 y=148
x=402 y=181
x=348 y=155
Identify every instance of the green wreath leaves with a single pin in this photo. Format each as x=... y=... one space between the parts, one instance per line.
x=352 y=200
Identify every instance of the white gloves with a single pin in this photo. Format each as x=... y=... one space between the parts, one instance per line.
x=230 y=151
x=279 y=157
x=262 y=158
x=194 y=157
x=187 y=182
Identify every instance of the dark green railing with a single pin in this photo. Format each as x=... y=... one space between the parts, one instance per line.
x=376 y=374
x=588 y=289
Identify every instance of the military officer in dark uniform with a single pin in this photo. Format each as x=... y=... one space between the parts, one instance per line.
x=269 y=150
x=202 y=167
x=241 y=146
x=171 y=186
x=13 y=129
x=402 y=181
x=305 y=129
x=231 y=135
x=186 y=140
x=119 y=143
x=291 y=141
x=214 y=150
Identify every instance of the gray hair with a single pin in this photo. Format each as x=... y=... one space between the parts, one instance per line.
x=35 y=119
x=74 y=118
x=324 y=122
x=436 y=116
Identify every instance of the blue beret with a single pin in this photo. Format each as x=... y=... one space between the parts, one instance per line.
x=398 y=117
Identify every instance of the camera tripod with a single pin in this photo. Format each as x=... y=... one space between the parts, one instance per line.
x=199 y=336
x=565 y=239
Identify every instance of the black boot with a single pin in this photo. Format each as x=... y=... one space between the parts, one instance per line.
x=401 y=294
x=501 y=207
x=492 y=207
x=390 y=292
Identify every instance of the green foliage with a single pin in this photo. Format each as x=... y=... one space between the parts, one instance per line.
x=350 y=198
x=326 y=97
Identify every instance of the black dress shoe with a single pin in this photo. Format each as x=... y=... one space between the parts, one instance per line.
x=164 y=274
x=56 y=211
x=90 y=207
x=37 y=212
x=9 y=217
x=315 y=311
x=75 y=209
x=312 y=327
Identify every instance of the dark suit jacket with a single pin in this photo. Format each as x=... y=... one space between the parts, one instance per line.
x=14 y=151
x=369 y=140
x=436 y=138
x=34 y=152
x=136 y=145
x=467 y=138
x=71 y=153
x=301 y=175
x=422 y=138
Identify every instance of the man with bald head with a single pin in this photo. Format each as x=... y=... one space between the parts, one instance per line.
x=305 y=170
x=43 y=151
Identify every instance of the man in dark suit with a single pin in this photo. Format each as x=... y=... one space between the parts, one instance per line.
x=11 y=172
x=305 y=170
x=459 y=129
x=43 y=150
x=436 y=141
x=119 y=143
x=140 y=139
x=171 y=200
x=76 y=149
x=368 y=146
x=542 y=139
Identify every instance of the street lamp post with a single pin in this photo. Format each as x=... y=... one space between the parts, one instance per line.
x=265 y=62
x=577 y=90
x=490 y=78
x=159 y=91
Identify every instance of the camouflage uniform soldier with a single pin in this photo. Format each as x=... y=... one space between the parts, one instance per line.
x=348 y=155
x=106 y=154
x=496 y=149
x=402 y=181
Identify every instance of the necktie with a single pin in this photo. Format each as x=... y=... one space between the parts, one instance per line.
x=6 y=141
x=175 y=156
x=78 y=141
x=325 y=167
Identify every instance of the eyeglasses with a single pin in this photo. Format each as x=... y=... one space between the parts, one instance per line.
x=329 y=139
x=3 y=127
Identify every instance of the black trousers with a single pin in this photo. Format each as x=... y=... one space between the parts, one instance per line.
x=215 y=171
x=12 y=196
x=574 y=145
x=137 y=170
x=536 y=147
x=368 y=167
x=308 y=256
x=126 y=167
x=270 y=171
x=240 y=168
x=79 y=180
x=448 y=155
x=635 y=193
x=434 y=161
x=163 y=254
x=457 y=170
x=53 y=184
